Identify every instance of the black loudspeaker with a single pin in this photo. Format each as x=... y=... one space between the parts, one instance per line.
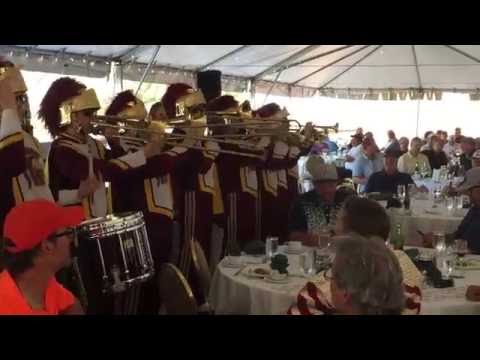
x=210 y=82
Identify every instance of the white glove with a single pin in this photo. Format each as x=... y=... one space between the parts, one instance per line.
x=211 y=145
x=263 y=142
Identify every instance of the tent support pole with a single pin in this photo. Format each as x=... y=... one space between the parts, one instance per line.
x=330 y=64
x=350 y=67
x=227 y=55
x=150 y=64
x=461 y=52
x=285 y=64
x=419 y=79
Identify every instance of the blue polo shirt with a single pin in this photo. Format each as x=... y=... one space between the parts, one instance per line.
x=364 y=167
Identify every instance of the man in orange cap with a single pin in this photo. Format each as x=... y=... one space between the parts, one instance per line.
x=39 y=239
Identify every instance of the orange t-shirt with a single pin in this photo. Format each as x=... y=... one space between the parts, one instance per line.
x=12 y=302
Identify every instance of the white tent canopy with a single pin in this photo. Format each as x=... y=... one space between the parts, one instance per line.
x=355 y=71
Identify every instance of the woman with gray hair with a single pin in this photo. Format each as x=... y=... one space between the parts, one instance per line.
x=366 y=278
x=361 y=217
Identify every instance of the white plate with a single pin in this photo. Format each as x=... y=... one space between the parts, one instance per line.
x=228 y=264
x=279 y=281
x=294 y=252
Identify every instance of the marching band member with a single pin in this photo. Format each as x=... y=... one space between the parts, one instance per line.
x=238 y=180
x=197 y=193
x=273 y=178
x=78 y=165
x=22 y=176
x=148 y=190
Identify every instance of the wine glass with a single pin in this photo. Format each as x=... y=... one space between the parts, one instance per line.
x=461 y=249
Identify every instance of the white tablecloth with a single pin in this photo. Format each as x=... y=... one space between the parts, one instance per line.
x=426 y=219
x=240 y=295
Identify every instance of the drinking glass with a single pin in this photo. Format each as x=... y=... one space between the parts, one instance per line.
x=271 y=246
x=307 y=262
x=323 y=237
x=445 y=261
x=401 y=192
x=451 y=203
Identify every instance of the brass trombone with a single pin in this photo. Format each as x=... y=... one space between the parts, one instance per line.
x=99 y=125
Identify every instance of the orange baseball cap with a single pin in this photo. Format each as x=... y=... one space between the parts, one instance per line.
x=32 y=222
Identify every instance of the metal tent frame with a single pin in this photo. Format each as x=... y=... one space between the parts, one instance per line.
x=298 y=58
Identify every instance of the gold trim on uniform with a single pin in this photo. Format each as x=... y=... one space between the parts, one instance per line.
x=152 y=206
x=100 y=149
x=11 y=139
x=244 y=183
x=282 y=178
x=120 y=163
x=109 y=199
x=17 y=191
x=218 y=207
x=272 y=190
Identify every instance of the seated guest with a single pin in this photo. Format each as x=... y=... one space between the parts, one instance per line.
x=403 y=142
x=365 y=279
x=311 y=210
x=355 y=149
x=436 y=157
x=469 y=228
x=477 y=143
x=387 y=180
x=332 y=146
x=369 y=161
x=458 y=135
x=468 y=148
x=450 y=148
x=426 y=141
x=476 y=159
x=409 y=161
x=392 y=143
x=366 y=218
x=38 y=241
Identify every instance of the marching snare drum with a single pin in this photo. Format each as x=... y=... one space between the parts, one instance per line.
x=113 y=259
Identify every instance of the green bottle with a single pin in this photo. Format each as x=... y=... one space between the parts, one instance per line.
x=417 y=169
x=397 y=239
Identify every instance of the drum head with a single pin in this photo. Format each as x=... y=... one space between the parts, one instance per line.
x=111 y=224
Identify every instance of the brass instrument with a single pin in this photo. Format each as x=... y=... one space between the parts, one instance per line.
x=141 y=133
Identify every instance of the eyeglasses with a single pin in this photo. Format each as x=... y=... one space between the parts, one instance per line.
x=89 y=112
x=68 y=232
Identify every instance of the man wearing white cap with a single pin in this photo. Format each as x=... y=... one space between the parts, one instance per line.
x=469 y=229
x=311 y=210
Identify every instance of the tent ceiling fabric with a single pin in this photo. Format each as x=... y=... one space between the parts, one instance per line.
x=388 y=67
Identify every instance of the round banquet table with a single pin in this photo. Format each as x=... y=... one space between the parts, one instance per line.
x=234 y=293
x=426 y=219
